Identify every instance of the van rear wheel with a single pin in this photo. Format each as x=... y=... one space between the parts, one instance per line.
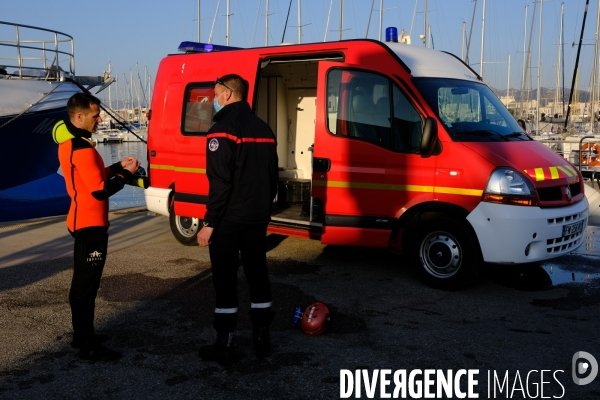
x=185 y=229
x=445 y=252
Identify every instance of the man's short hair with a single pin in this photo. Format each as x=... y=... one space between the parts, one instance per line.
x=81 y=102
x=238 y=84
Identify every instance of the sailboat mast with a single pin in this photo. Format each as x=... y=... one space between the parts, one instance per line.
x=109 y=97
x=369 y=22
x=227 y=34
x=470 y=32
x=482 y=41
x=146 y=92
x=429 y=37
x=341 y=17
x=424 y=23
x=508 y=84
x=131 y=93
x=462 y=49
x=198 y=21
x=213 y=22
x=558 y=66
x=562 y=42
x=594 y=93
x=117 y=90
x=528 y=57
x=539 y=68
x=328 y=17
x=267 y=25
x=139 y=86
x=381 y=18
x=587 y=2
x=299 y=23
x=125 y=96
x=524 y=64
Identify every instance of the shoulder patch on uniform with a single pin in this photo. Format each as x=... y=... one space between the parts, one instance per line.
x=213 y=145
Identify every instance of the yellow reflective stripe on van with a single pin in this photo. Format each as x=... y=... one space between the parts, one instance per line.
x=450 y=190
x=539 y=174
x=178 y=169
x=568 y=170
x=402 y=188
x=549 y=173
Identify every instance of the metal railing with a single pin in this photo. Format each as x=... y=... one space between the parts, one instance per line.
x=38 y=57
x=587 y=159
x=571 y=148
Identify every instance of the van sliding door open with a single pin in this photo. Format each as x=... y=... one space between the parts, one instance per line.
x=287 y=101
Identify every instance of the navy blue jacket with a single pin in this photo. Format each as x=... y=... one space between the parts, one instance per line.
x=241 y=166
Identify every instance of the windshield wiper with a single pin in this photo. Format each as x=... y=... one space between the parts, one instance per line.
x=520 y=135
x=485 y=133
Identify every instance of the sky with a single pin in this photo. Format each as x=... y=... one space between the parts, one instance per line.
x=135 y=35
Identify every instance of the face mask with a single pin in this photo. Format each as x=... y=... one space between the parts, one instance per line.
x=216 y=104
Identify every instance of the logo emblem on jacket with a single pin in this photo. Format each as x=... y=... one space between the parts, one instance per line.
x=95 y=256
x=213 y=145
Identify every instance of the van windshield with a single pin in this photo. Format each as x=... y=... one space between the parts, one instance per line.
x=470 y=111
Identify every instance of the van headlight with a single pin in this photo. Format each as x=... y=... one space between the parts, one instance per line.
x=507 y=186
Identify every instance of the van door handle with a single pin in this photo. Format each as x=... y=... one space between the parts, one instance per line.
x=153 y=153
x=321 y=164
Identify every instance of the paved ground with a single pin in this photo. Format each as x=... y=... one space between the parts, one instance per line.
x=156 y=302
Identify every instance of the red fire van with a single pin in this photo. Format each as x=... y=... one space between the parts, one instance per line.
x=380 y=145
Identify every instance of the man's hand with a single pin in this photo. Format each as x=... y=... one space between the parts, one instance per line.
x=131 y=164
x=204 y=236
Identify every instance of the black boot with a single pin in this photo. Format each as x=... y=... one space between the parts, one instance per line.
x=221 y=351
x=262 y=341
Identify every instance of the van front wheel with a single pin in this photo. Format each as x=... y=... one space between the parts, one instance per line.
x=185 y=229
x=445 y=252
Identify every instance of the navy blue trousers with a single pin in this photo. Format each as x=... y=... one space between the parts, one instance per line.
x=229 y=241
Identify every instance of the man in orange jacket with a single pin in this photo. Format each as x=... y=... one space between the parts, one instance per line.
x=89 y=184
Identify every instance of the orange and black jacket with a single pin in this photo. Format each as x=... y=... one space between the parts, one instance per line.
x=89 y=182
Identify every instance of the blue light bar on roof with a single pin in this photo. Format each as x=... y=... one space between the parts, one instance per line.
x=195 y=47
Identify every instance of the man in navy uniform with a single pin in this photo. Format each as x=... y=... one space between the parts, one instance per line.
x=242 y=170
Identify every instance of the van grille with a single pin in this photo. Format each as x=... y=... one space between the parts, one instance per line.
x=575 y=188
x=564 y=244
x=555 y=193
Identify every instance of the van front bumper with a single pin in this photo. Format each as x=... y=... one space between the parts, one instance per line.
x=517 y=234
x=157 y=200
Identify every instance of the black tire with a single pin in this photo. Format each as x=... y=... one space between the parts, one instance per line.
x=185 y=229
x=445 y=252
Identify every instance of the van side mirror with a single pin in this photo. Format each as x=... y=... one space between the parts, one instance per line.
x=430 y=137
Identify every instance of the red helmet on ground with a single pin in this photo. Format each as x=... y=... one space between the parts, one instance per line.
x=315 y=319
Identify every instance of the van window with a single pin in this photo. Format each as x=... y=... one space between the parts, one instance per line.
x=198 y=109
x=408 y=128
x=359 y=106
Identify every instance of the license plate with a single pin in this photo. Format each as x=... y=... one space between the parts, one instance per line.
x=573 y=229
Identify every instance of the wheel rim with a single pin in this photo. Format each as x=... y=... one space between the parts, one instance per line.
x=187 y=226
x=441 y=254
